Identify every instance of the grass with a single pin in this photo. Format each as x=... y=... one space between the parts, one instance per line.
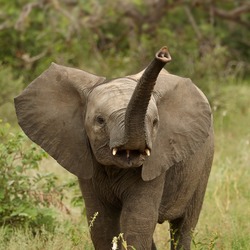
x=67 y=236
x=224 y=221
x=226 y=209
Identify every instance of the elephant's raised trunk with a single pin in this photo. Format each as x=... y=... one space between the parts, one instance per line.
x=135 y=131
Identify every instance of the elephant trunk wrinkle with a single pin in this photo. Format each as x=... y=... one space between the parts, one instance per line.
x=135 y=132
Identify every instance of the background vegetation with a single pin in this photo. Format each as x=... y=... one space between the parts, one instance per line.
x=40 y=204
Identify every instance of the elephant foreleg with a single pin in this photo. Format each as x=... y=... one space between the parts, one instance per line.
x=138 y=227
x=139 y=213
x=105 y=226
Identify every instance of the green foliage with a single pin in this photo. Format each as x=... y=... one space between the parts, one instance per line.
x=76 y=195
x=114 y=38
x=25 y=193
x=10 y=86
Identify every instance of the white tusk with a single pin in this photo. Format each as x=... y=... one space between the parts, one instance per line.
x=127 y=153
x=147 y=151
x=114 y=151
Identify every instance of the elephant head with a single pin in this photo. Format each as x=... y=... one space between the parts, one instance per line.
x=152 y=119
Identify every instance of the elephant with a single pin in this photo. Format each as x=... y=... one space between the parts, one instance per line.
x=141 y=146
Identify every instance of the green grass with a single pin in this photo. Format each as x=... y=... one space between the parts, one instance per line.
x=224 y=221
x=67 y=236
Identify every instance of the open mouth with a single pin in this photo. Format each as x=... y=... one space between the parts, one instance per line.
x=128 y=152
x=130 y=158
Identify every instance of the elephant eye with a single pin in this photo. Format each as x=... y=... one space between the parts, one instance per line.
x=100 y=120
x=155 y=122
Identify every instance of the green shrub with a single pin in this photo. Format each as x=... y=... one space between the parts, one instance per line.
x=26 y=195
x=8 y=84
x=10 y=87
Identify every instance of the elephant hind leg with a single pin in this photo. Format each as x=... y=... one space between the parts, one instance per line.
x=181 y=228
x=180 y=237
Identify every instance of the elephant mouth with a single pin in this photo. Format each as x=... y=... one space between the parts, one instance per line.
x=129 y=158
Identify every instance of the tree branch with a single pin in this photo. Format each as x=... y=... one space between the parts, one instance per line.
x=27 y=59
x=19 y=25
x=234 y=15
x=66 y=13
x=193 y=22
x=5 y=25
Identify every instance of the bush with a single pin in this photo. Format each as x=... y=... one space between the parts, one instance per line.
x=8 y=84
x=10 y=87
x=26 y=195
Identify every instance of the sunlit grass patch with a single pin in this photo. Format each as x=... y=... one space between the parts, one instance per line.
x=67 y=236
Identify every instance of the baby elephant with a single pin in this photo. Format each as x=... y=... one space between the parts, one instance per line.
x=140 y=145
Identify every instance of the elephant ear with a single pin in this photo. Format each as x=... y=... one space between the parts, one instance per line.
x=185 y=121
x=51 y=112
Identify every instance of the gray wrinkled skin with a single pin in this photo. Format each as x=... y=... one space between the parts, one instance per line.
x=80 y=118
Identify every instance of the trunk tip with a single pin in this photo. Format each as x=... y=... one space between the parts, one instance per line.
x=163 y=55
